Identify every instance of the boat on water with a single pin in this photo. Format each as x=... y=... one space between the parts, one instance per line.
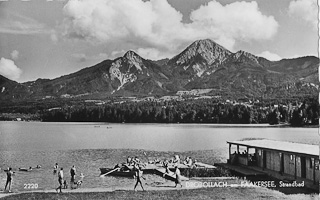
x=127 y=173
x=25 y=169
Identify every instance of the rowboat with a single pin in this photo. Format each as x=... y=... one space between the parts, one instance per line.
x=25 y=169
x=117 y=172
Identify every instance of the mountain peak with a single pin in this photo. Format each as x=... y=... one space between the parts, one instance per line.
x=205 y=43
x=244 y=56
x=131 y=55
x=206 y=49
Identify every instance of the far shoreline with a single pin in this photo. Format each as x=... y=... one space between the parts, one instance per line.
x=264 y=125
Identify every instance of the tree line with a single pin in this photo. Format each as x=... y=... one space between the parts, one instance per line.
x=189 y=111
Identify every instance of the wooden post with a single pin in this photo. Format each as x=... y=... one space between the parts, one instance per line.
x=247 y=156
x=314 y=170
x=229 y=153
x=295 y=166
x=237 y=149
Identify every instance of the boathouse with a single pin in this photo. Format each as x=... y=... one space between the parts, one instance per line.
x=286 y=159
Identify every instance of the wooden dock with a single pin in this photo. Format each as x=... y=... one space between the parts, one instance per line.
x=203 y=165
x=171 y=176
x=180 y=166
x=160 y=170
x=242 y=171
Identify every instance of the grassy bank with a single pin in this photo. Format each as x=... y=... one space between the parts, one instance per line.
x=208 y=193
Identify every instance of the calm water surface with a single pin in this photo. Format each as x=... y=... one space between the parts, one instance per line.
x=93 y=145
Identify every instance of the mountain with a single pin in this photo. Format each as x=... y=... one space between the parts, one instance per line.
x=204 y=64
x=199 y=57
x=130 y=74
x=11 y=90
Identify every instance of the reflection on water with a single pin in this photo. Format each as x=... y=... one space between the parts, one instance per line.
x=90 y=146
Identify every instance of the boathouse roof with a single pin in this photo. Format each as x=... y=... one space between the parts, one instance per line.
x=292 y=147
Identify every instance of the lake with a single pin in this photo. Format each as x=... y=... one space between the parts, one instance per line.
x=90 y=146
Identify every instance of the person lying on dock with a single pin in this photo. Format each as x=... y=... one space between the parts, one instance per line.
x=155 y=161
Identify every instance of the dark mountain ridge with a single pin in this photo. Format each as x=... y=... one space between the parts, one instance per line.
x=203 y=64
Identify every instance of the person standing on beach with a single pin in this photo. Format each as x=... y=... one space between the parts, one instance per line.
x=178 y=177
x=55 y=169
x=9 y=179
x=138 y=176
x=73 y=173
x=60 y=180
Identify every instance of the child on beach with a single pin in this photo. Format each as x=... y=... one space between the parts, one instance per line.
x=55 y=169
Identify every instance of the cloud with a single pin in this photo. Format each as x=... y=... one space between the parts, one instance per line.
x=54 y=36
x=14 y=54
x=152 y=53
x=15 y=23
x=116 y=54
x=156 y=25
x=81 y=57
x=9 y=69
x=241 y=20
x=306 y=10
x=270 y=56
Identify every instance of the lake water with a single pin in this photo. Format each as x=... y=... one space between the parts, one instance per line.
x=90 y=146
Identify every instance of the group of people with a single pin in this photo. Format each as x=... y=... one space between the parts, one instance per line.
x=62 y=182
x=132 y=164
x=133 y=161
x=56 y=171
x=188 y=161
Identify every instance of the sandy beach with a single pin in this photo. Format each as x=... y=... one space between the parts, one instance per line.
x=158 y=191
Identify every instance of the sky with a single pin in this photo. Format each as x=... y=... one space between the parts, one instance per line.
x=51 y=38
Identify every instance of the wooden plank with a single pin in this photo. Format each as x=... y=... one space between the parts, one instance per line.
x=200 y=164
x=170 y=165
x=109 y=172
x=171 y=174
x=242 y=170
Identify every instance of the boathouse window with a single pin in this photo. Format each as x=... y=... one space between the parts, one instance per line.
x=311 y=162
x=316 y=164
x=291 y=159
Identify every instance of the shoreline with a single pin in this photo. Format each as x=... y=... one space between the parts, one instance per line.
x=167 y=191
x=264 y=125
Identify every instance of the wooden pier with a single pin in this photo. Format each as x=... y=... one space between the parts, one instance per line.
x=241 y=170
x=160 y=170
x=171 y=176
